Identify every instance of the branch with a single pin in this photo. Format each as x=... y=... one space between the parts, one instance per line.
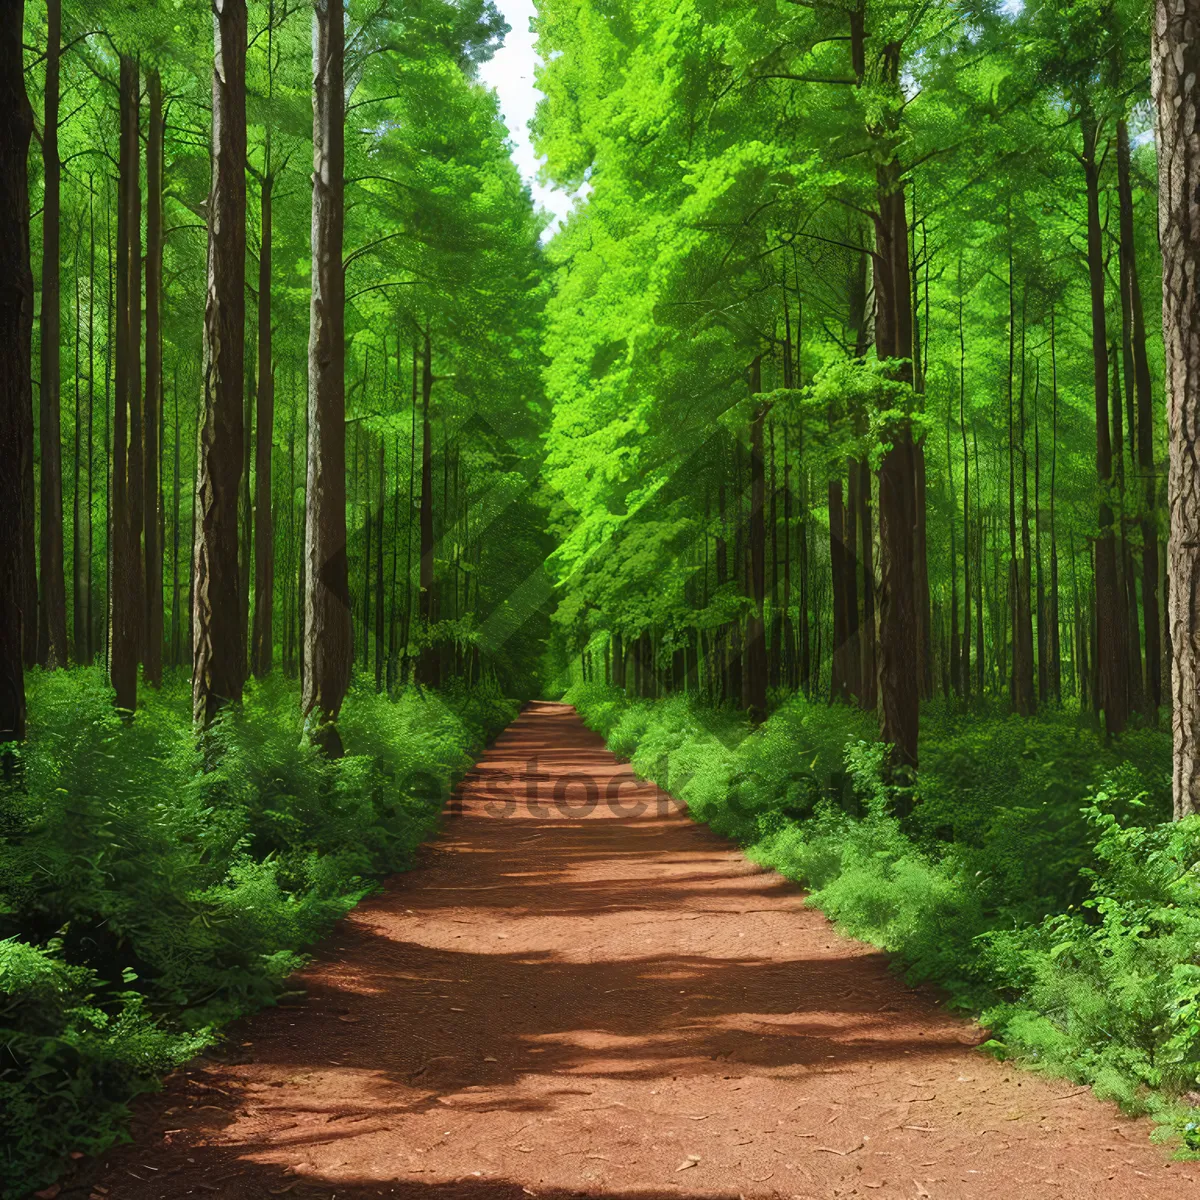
x=387 y=237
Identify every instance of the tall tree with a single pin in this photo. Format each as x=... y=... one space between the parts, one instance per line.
x=328 y=648
x=126 y=598
x=52 y=608
x=153 y=415
x=1131 y=293
x=263 y=634
x=16 y=320
x=219 y=633
x=756 y=644
x=1176 y=67
x=427 y=663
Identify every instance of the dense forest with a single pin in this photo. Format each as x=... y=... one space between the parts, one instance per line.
x=837 y=432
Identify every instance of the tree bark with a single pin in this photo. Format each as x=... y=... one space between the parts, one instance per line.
x=16 y=366
x=379 y=561
x=755 y=691
x=1175 y=57
x=264 y=525
x=327 y=633
x=901 y=656
x=427 y=663
x=965 y=669
x=840 y=668
x=78 y=596
x=218 y=629
x=1055 y=671
x=1151 y=617
x=152 y=430
x=126 y=598
x=52 y=593
x=1112 y=658
x=176 y=485
x=89 y=582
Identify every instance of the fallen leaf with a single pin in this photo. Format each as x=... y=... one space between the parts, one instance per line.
x=349 y=1020
x=287 y=1187
x=692 y=1160
x=704 y=1117
x=920 y=1190
x=49 y=1193
x=490 y=1058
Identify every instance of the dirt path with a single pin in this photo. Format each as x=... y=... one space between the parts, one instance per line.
x=557 y=1004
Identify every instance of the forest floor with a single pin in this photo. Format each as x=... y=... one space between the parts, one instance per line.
x=559 y=1003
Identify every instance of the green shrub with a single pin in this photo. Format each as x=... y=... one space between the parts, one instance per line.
x=144 y=902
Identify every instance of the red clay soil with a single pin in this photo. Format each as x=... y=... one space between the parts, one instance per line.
x=559 y=1003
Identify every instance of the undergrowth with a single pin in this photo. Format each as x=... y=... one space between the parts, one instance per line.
x=145 y=902
x=1039 y=881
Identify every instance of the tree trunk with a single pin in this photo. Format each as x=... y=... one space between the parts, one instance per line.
x=1112 y=658
x=78 y=599
x=406 y=632
x=152 y=431
x=289 y=597
x=1131 y=287
x=775 y=657
x=176 y=488
x=954 y=670
x=427 y=664
x=218 y=629
x=263 y=641
x=126 y=598
x=840 y=668
x=379 y=557
x=89 y=588
x=755 y=698
x=901 y=656
x=868 y=658
x=52 y=594
x=16 y=366
x=327 y=633
x=965 y=669
x=246 y=521
x=1176 y=65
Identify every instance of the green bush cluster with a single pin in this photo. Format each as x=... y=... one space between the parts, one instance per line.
x=145 y=900
x=1039 y=879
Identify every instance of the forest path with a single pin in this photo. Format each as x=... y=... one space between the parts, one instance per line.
x=558 y=1003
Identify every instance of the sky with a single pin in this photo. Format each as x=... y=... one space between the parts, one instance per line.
x=510 y=72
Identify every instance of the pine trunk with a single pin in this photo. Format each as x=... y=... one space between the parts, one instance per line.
x=427 y=664
x=218 y=630
x=16 y=367
x=263 y=642
x=328 y=650
x=1151 y=611
x=152 y=429
x=1176 y=65
x=901 y=654
x=755 y=699
x=52 y=594
x=1112 y=658
x=125 y=593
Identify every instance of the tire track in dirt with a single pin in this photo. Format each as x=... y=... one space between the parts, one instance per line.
x=563 y=1002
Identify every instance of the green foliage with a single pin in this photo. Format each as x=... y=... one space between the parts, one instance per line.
x=145 y=901
x=1039 y=881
